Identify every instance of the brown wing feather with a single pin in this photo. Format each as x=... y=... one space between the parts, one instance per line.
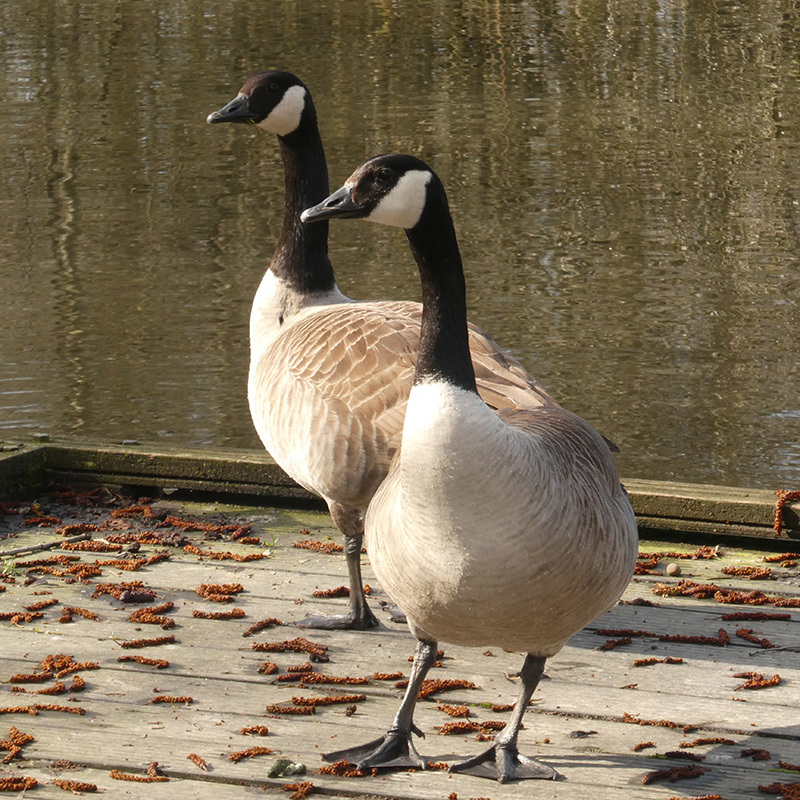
x=346 y=372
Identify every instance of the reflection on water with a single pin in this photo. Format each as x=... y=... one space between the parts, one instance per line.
x=624 y=176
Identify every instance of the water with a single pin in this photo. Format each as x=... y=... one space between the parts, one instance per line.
x=625 y=180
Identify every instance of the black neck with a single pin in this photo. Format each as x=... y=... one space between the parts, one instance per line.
x=444 y=341
x=301 y=256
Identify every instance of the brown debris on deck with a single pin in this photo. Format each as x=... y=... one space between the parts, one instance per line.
x=135 y=709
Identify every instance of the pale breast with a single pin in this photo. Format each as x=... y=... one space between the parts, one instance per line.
x=486 y=535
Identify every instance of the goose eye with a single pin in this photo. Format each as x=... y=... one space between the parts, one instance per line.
x=384 y=176
x=273 y=88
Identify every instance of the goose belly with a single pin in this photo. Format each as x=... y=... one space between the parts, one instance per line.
x=475 y=556
x=520 y=593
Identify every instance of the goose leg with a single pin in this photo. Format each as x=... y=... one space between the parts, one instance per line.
x=502 y=760
x=350 y=522
x=395 y=748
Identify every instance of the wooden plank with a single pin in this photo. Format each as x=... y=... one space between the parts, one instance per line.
x=213 y=663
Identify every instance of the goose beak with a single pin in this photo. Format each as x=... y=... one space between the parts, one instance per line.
x=236 y=111
x=339 y=204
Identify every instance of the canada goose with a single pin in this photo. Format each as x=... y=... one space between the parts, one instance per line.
x=505 y=528
x=329 y=377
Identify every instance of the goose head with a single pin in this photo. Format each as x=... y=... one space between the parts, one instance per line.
x=273 y=100
x=391 y=189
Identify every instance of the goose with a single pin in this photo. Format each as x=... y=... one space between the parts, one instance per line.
x=504 y=528
x=329 y=377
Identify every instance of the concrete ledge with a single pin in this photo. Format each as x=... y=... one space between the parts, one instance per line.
x=27 y=468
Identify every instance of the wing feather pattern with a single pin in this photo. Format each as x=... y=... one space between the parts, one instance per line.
x=328 y=398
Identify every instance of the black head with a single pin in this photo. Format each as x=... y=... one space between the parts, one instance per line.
x=391 y=189
x=274 y=100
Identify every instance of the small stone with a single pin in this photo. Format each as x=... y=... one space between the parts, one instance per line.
x=673 y=569
x=284 y=767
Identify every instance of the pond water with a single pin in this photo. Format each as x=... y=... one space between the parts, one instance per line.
x=624 y=176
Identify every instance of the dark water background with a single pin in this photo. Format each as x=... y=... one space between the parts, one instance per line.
x=625 y=178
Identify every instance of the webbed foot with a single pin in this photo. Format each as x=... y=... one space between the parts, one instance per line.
x=352 y=621
x=393 y=750
x=504 y=764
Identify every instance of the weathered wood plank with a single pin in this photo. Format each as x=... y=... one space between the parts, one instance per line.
x=215 y=664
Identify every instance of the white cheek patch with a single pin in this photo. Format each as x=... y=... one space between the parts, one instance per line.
x=285 y=117
x=402 y=207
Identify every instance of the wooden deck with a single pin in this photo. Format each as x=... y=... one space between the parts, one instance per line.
x=576 y=722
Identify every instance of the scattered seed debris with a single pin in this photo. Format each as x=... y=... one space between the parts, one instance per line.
x=199 y=761
x=157 y=663
x=756 y=754
x=753 y=573
x=673 y=774
x=129 y=776
x=345 y=769
x=339 y=591
x=453 y=711
x=290 y=710
x=711 y=740
x=310 y=678
x=165 y=698
x=722 y=595
x=299 y=645
x=154 y=615
x=329 y=699
x=610 y=644
x=92 y=546
x=433 y=685
x=781 y=557
x=251 y=752
x=789 y=791
x=682 y=754
x=216 y=589
x=64 y=709
x=42 y=604
x=135 y=643
x=747 y=633
x=661 y=723
x=75 y=786
x=260 y=626
x=624 y=632
x=702 y=797
x=784 y=496
x=17 y=784
x=222 y=555
x=756 y=680
x=299 y=790
x=255 y=730
x=722 y=639
x=319 y=547
x=234 y=613
x=118 y=590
